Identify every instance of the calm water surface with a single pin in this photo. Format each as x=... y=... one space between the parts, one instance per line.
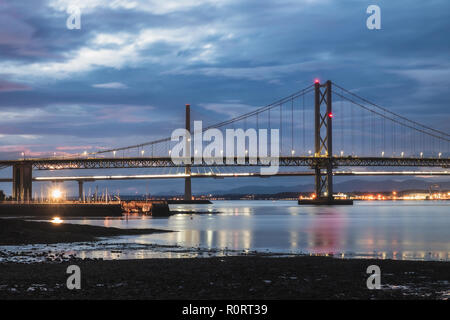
x=395 y=230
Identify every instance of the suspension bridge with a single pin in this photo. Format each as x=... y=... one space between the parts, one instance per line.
x=323 y=127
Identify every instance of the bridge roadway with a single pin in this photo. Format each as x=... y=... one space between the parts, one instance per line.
x=230 y=175
x=23 y=177
x=283 y=161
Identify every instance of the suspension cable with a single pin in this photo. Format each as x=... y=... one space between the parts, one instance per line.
x=392 y=119
x=393 y=113
x=220 y=124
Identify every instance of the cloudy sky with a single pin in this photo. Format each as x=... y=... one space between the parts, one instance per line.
x=124 y=77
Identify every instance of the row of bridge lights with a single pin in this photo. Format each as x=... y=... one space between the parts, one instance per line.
x=246 y=152
x=402 y=154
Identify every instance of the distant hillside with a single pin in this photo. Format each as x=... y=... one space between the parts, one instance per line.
x=356 y=185
x=347 y=186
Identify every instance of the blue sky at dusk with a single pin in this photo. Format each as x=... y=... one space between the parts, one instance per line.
x=124 y=77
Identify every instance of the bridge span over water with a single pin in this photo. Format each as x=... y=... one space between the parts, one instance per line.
x=366 y=134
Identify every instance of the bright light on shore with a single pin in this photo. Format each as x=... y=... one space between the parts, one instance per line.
x=56 y=220
x=56 y=194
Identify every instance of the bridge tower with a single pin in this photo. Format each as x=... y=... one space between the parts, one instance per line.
x=22 y=181
x=323 y=153
x=187 y=169
x=323 y=137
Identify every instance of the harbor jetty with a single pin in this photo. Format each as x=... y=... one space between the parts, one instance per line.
x=72 y=209
x=157 y=208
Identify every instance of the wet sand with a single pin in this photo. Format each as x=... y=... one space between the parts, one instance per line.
x=251 y=277
x=16 y=232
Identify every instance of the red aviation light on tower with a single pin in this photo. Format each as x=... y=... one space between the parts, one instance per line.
x=330 y=115
x=316 y=81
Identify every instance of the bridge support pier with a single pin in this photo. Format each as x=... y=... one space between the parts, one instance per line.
x=187 y=169
x=22 y=182
x=323 y=137
x=80 y=191
x=187 y=189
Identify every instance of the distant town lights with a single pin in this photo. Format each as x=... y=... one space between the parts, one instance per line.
x=382 y=153
x=421 y=154
x=292 y=152
x=440 y=154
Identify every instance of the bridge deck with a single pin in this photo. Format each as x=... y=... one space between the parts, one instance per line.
x=283 y=161
x=231 y=175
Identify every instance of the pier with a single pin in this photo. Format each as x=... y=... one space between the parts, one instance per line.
x=61 y=209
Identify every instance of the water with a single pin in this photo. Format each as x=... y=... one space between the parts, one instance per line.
x=387 y=230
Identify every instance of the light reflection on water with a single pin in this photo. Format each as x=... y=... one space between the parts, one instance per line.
x=394 y=230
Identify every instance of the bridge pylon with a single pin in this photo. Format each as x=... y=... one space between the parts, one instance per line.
x=323 y=138
x=323 y=151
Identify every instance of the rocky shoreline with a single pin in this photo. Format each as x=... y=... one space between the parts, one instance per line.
x=248 y=277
